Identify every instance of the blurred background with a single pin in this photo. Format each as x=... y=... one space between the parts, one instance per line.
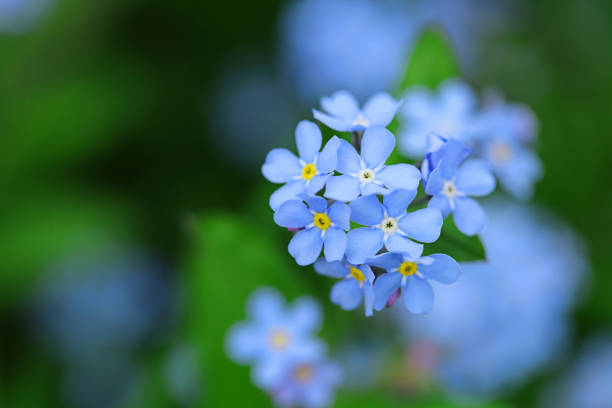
x=134 y=219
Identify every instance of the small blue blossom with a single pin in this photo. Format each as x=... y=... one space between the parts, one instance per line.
x=344 y=114
x=274 y=334
x=450 y=112
x=450 y=184
x=411 y=274
x=438 y=147
x=323 y=226
x=306 y=174
x=356 y=283
x=390 y=225
x=367 y=173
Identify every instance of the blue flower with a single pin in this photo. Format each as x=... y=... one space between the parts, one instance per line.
x=345 y=115
x=438 y=147
x=411 y=274
x=322 y=226
x=367 y=173
x=356 y=283
x=450 y=112
x=274 y=334
x=451 y=182
x=390 y=225
x=306 y=174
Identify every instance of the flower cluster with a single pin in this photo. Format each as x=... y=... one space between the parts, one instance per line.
x=279 y=341
x=368 y=228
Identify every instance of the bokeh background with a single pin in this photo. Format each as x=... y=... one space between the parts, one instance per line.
x=134 y=219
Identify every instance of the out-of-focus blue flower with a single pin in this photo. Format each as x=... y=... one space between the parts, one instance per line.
x=17 y=16
x=344 y=114
x=390 y=225
x=367 y=173
x=322 y=227
x=412 y=274
x=450 y=112
x=356 y=283
x=306 y=174
x=274 y=335
x=504 y=132
x=451 y=182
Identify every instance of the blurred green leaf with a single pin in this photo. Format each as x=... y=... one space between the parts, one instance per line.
x=454 y=243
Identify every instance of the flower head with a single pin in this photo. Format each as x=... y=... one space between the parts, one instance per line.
x=322 y=226
x=390 y=225
x=356 y=283
x=366 y=173
x=344 y=114
x=306 y=174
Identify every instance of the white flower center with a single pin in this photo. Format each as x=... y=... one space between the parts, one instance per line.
x=500 y=152
x=388 y=225
x=367 y=176
x=361 y=121
x=449 y=190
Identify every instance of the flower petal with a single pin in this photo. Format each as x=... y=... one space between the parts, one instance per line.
x=308 y=139
x=380 y=109
x=418 y=295
x=334 y=269
x=281 y=166
x=435 y=183
x=341 y=104
x=475 y=178
x=440 y=202
x=373 y=188
x=243 y=343
x=265 y=305
x=349 y=160
x=305 y=315
x=376 y=145
x=469 y=216
x=339 y=214
x=290 y=191
x=332 y=122
x=368 y=299
x=305 y=246
x=362 y=244
x=293 y=214
x=316 y=183
x=452 y=155
x=443 y=269
x=384 y=286
x=366 y=210
x=398 y=201
x=400 y=175
x=335 y=244
x=346 y=294
x=423 y=225
x=328 y=158
x=342 y=188
x=387 y=261
x=316 y=203
x=397 y=243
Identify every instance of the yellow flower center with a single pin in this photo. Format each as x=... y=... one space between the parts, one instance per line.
x=309 y=171
x=303 y=372
x=279 y=339
x=322 y=221
x=408 y=268
x=357 y=274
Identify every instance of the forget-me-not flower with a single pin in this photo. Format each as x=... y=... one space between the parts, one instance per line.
x=274 y=334
x=306 y=174
x=450 y=112
x=452 y=182
x=344 y=115
x=437 y=147
x=356 y=283
x=323 y=226
x=411 y=274
x=390 y=225
x=367 y=173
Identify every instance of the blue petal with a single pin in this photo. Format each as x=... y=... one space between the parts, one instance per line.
x=316 y=184
x=367 y=272
x=474 y=178
x=387 y=261
x=243 y=343
x=397 y=243
x=457 y=96
x=418 y=295
x=316 y=203
x=373 y=188
x=290 y=191
x=368 y=299
x=398 y=201
x=440 y=202
x=376 y=145
x=342 y=188
x=328 y=158
x=308 y=139
x=335 y=244
x=348 y=158
x=305 y=246
x=469 y=216
x=366 y=210
x=281 y=166
x=380 y=109
x=305 y=315
x=338 y=124
x=443 y=269
x=346 y=294
x=265 y=305
x=293 y=214
x=384 y=286
x=362 y=244
x=339 y=214
x=435 y=183
x=268 y=371
x=341 y=104
x=332 y=269
x=519 y=174
x=452 y=155
x=423 y=225
x=400 y=175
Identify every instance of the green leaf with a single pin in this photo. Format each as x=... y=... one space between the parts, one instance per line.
x=454 y=243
